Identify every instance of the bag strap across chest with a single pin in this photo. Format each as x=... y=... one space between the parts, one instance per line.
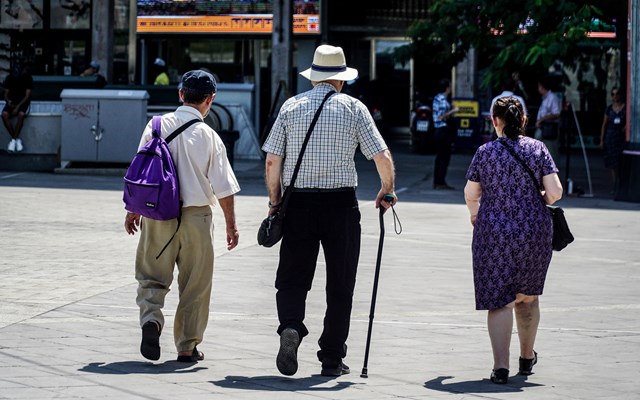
x=289 y=189
x=524 y=165
x=156 y=128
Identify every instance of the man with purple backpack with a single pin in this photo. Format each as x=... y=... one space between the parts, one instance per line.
x=205 y=178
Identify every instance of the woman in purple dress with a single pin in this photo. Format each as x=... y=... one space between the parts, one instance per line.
x=511 y=233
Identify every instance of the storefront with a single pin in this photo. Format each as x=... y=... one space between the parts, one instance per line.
x=54 y=36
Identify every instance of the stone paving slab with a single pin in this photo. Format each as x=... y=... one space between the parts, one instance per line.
x=69 y=329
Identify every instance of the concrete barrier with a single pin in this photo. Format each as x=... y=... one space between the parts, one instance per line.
x=41 y=137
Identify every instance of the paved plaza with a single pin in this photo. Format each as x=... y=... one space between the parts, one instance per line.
x=69 y=323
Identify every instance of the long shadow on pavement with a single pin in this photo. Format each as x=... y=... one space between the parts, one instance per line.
x=279 y=383
x=139 y=367
x=516 y=384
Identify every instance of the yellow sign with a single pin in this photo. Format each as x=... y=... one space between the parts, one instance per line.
x=464 y=123
x=468 y=108
x=245 y=23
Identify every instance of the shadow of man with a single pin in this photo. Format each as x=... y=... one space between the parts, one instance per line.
x=281 y=383
x=140 y=367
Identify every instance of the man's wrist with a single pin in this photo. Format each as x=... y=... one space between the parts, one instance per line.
x=275 y=205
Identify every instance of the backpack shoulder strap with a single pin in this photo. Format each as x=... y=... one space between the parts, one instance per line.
x=181 y=129
x=156 y=126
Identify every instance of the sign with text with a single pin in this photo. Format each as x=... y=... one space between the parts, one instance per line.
x=468 y=108
x=224 y=24
x=222 y=16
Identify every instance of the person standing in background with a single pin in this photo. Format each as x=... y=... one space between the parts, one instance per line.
x=548 y=119
x=17 y=96
x=613 y=134
x=94 y=71
x=443 y=135
x=162 y=78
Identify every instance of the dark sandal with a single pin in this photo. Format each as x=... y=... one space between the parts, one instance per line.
x=526 y=364
x=193 y=357
x=500 y=376
x=150 y=345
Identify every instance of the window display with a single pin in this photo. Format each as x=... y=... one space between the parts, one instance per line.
x=21 y=14
x=70 y=14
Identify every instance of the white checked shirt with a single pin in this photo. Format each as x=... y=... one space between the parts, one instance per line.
x=328 y=161
x=204 y=172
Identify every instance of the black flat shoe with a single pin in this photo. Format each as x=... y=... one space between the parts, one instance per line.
x=150 y=345
x=526 y=364
x=335 y=370
x=500 y=376
x=287 y=359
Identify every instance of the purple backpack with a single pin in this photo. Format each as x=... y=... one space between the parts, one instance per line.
x=151 y=186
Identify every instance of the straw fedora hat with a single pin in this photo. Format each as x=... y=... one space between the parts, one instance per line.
x=329 y=63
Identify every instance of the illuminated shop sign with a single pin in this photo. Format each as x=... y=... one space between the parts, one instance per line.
x=220 y=16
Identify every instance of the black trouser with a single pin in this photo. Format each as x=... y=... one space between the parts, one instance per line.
x=333 y=220
x=443 y=141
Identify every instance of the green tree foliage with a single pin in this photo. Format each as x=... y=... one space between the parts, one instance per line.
x=511 y=34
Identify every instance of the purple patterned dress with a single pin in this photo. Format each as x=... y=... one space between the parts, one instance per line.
x=512 y=235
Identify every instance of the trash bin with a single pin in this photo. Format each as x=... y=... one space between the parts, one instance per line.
x=101 y=125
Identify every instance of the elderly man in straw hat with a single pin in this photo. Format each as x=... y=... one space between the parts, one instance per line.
x=323 y=208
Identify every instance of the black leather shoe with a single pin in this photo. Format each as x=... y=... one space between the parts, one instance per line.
x=335 y=370
x=287 y=359
x=500 y=376
x=526 y=364
x=150 y=345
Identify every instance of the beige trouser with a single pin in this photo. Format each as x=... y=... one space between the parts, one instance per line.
x=192 y=250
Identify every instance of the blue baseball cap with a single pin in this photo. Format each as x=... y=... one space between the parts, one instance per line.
x=199 y=81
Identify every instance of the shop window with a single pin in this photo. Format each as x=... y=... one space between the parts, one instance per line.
x=70 y=14
x=222 y=57
x=121 y=15
x=73 y=61
x=21 y=14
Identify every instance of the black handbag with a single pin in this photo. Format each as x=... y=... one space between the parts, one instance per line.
x=270 y=231
x=271 y=228
x=562 y=235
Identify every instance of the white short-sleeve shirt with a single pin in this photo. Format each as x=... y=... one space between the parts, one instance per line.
x=200 y=157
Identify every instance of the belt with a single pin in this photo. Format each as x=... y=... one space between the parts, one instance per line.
x=319 y=190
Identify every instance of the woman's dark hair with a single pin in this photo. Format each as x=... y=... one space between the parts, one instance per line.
x=194 y=96
x=509 y=109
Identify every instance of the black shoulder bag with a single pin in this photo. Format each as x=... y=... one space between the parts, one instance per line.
x=561 y=234
x=271 y=228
